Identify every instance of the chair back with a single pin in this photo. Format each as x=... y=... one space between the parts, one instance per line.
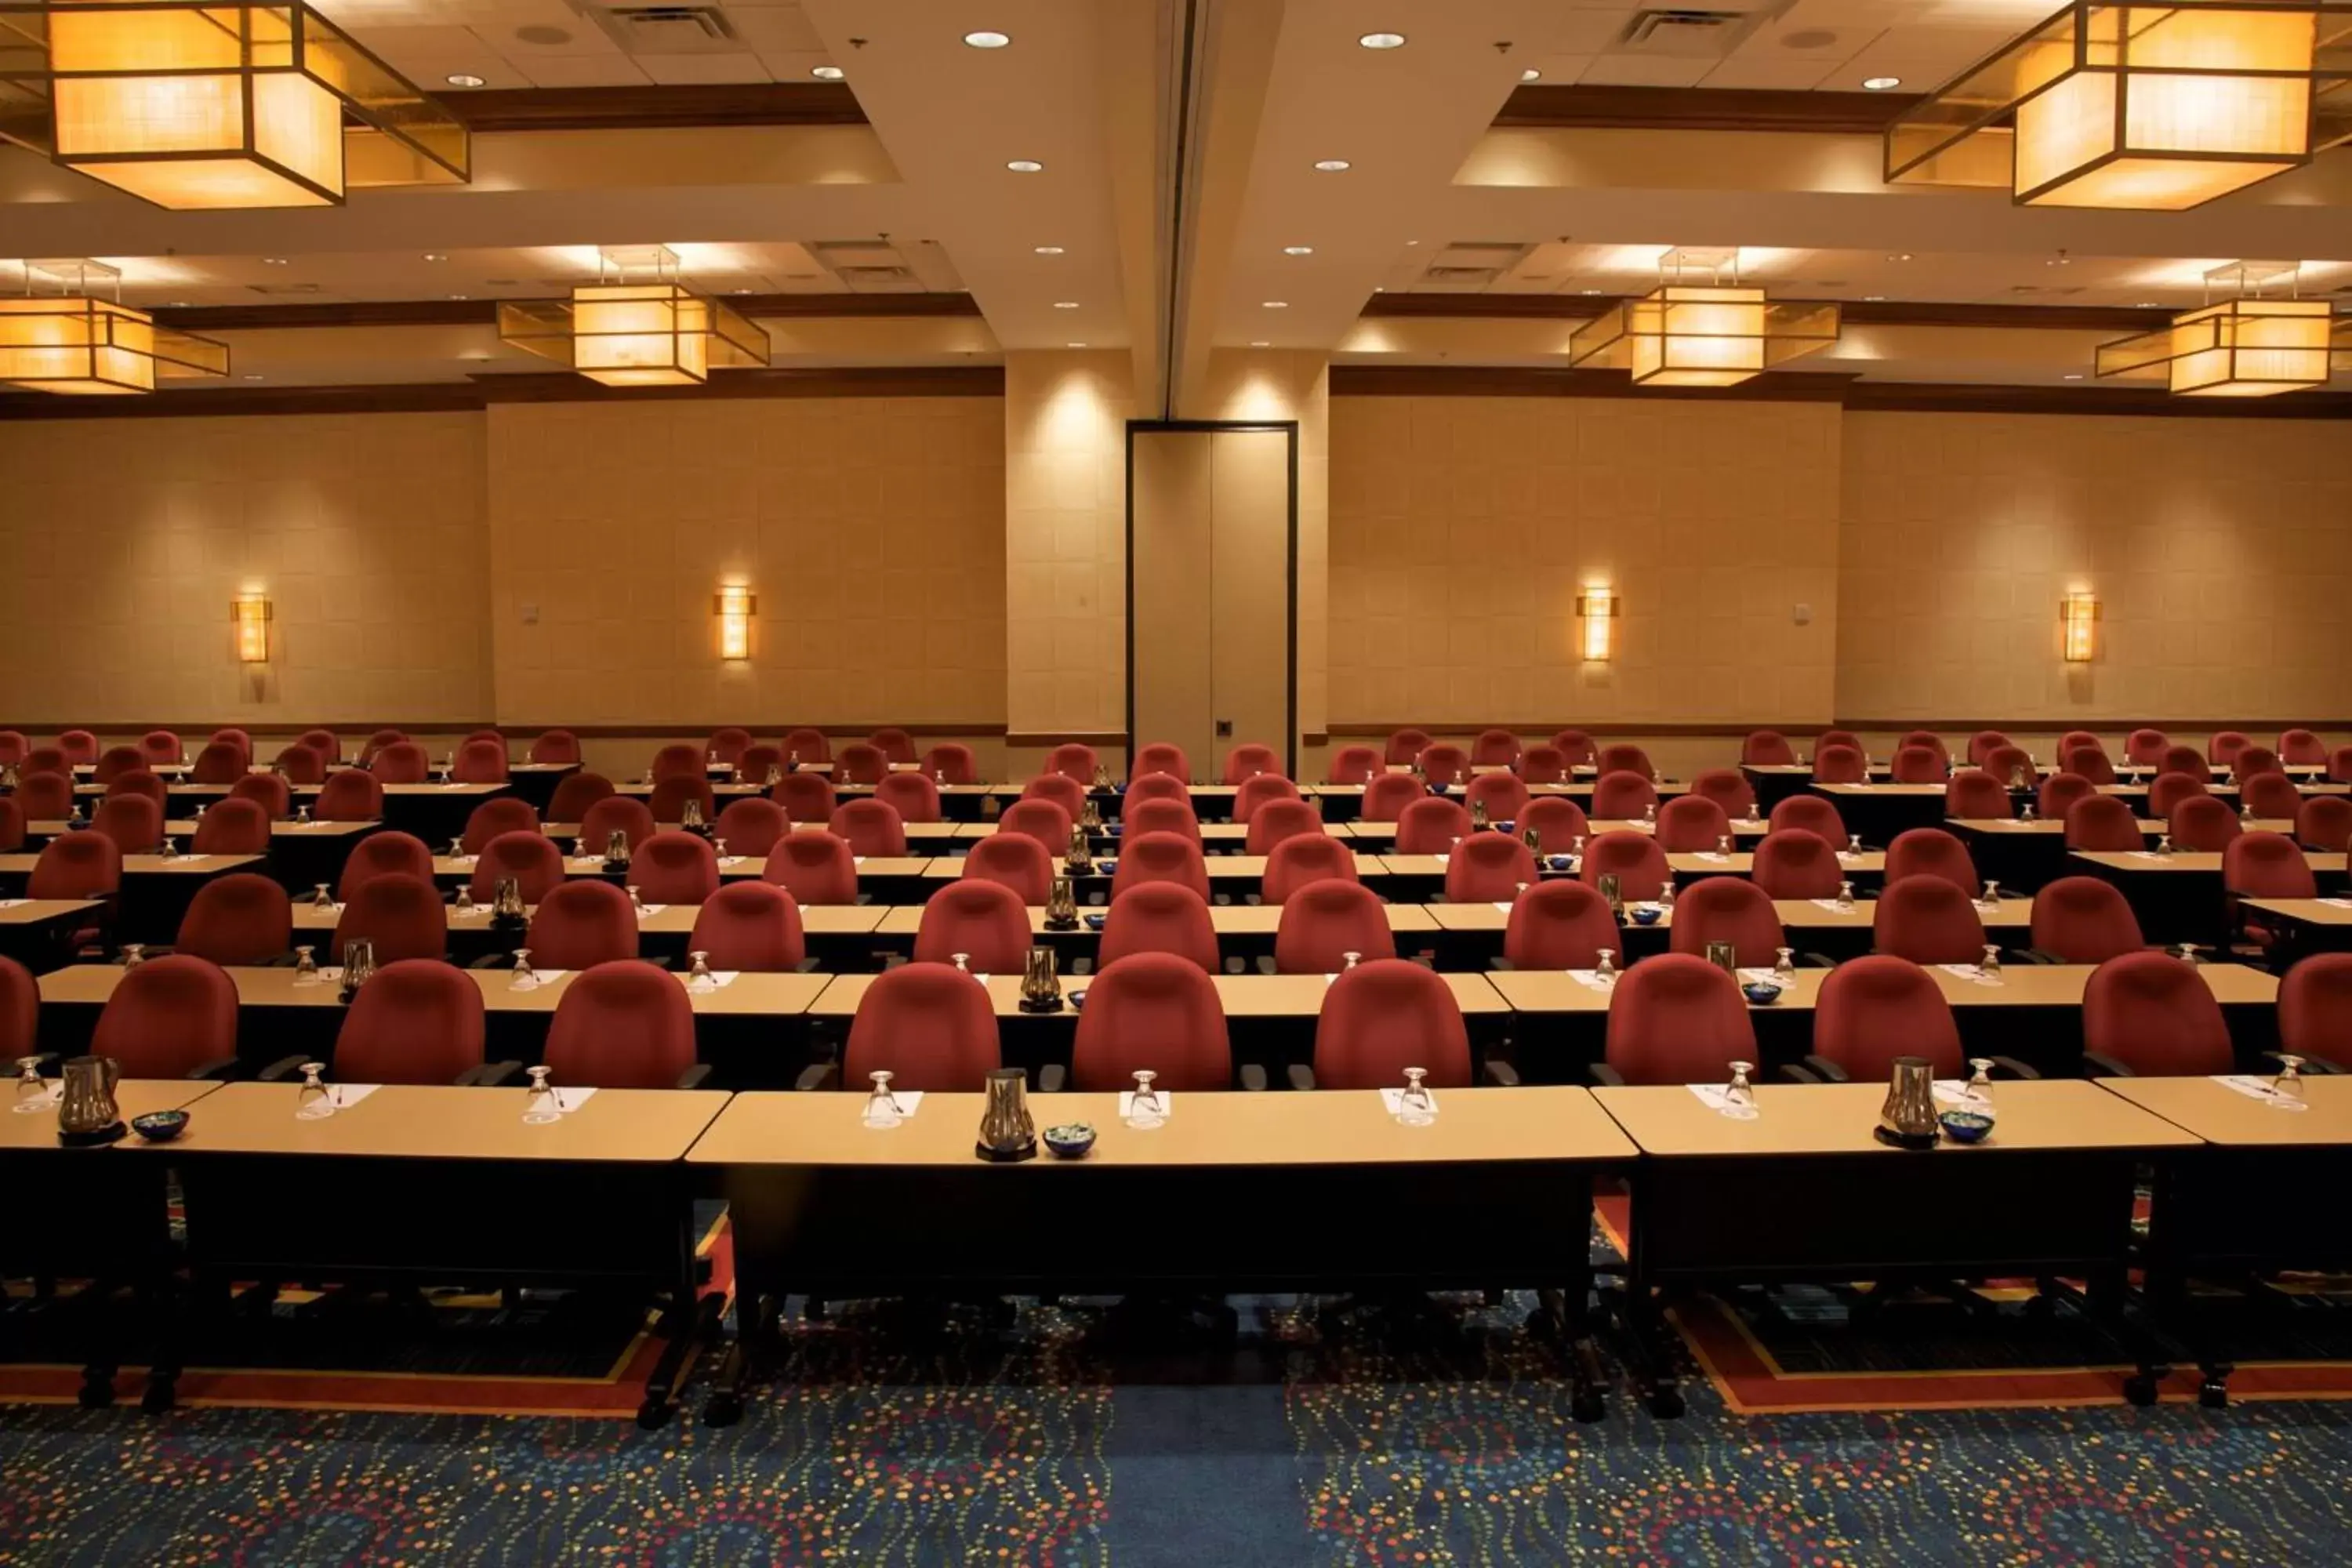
x=1160 y=857
x=1015 y=859
x=1248 y=760
x=1813 y=814
x=1159 y=917
x=168 y=1017
x=1692 y=824
x=1873 y=1009
x=1932 y=852
x=1677 y=1019
x=416 y=1021
x=986 y=922
x=532 y=859
x=2155 y=1014
x=1279 y=819
x=500 y=814
x=752 y=824
x=384 y=854
x=579 y=925
x=930 y=1027
x=1927 y=920
x=239 y=918
x=1154 y=1011
x=621 y=1025
x=1633 y=859
x=233 y=828
x=675 y=869
x=1323 y=922
x=749 y=925
x=1383 y=1016
x=1295 y=862
x=1430 y=825
x=1159 y=757
x=914 y=797
x=814 y=867
x=1729 y=909
x=1560 y=924
x=2085 y=920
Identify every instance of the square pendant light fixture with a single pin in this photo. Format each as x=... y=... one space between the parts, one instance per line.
x=60 y=336
x=194 y=105
x=1695 y=329
x=2159 y=108
x=636 y=326
x=2252 y=338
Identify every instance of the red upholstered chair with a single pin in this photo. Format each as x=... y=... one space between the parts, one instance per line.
x=1766 y=749
x=1927 y=920
x=897 y=745
x=1813 y=814
x=622 y=814
x=300 y=764
x=986 y=922
x=1156 y=787
x=240 y=919
x=1982 y=742
x=160 y=746
x=233 y=828
x=385 y=855
x=140 y=782
x=1159 y=757
x=13 y=749
x=1151 y=1011
x=80 y=746
x=2251 y=759
x=1074 y=760
x=1170 y=816
x=1404 y=745
x=500 y=814
x=625 y=1024
x=2103 y=823
x=1675 y=1019
x=378 y=741
x=749 y=925
x=2266 y=865
x=1732 y=909
x=135 y=822
x=759 y=764
x=2339 y=765
x=480 y=762
x=2010 y=765
x=1254 y=791
x=1383 y=1016
x=1918 y=764
x=2323 y=822
x=1044 y=820
x=805 y=797
x=2081 y=740
x=668 y=800
x=815 y=867
x=76 y=865
x=403 y=915
x=1386 y=797
x=1557 y=823
x=1061 y=789
x=1323 y=920
x=1504 y=796
x=871 y=827
x=2150 y=1015
x=2084 y=919
x=1159 y=917
x=951 y=763
x=806 y=744
x=532 y=859
x=1443 y=763
x=45 y=797
x=2087 y=763
x=1015 y=859
x=860 y=763
x=1246 y=762
x=555 y=747
x=2061 y=791
x=352 y=794
x=1621 y=794
x=675 y=869
x=1926 y=740
x=231 y=735
x=579 y=925
x=1545 y=764
x=2202 y=822
x=1352 y=766
x=1160 y=857
x=914 y=797
x=2302 y=749
x=2144 y=748
x=1560 y=924
x=752 y=826
x=1430 y=825
x=1839 y=764
x=1633 y=859
x=1295 y=862
x=416 y=1021
x=2315 y=1008
x=2170 y=789
x=1624 y=758
x=727 y=745
x=1488 y=868
x=1828 y=738
x=402 y=762
x=2223 y=746
x=1791 y=863
x=1691 y=824
x=1280 y=819
x=220 y=762
x=117 y=762
x=1931 y=852
x=1578 y=745
x=12 y=825
x=1495 y=748
x=930 y=1027
x=46 y=760
x=679 y=760
x=2187 y=761
x=1727 y=789
x=1874 y=1009
x=20 y=1010
x=170 y=1017
x=2270 y=794
x=323 y=741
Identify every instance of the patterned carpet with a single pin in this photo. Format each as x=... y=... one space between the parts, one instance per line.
x=874 y=1446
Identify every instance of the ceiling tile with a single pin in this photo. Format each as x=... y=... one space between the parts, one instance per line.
x=580 y=70
x=1636 y=71
x=703 y=69
x=1794 y=73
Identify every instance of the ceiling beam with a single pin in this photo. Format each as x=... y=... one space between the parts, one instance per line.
x=1856 y=313
x=654 y=107
x=1702 y=109
x=485 y=312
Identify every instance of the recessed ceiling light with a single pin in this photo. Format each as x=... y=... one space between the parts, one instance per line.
x=1066 y=304
x=1531 y=74
x=1260 y=343
x=1873 y=298
x=1278 y=304
x=273 y=261
x=1025 y=167
x=1900 y=256
x=1331 y=165
x=740 y=290
x=2148 y=305
x=2072 y=375
x=251 y=375
x=463 y=78
x=828 y=73
x=1073 y=345
x=1881 y=83
x=459 y=296
x=1382 y=41
x=1592 y=290
x=1049 y=250
x=175 y=304
x=437 y=255
x=987 y=40
x=1298 y=250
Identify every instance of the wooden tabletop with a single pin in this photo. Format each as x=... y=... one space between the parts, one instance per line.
x=277 y=829
x=2056 y=827
x=1557 y=991
x=2061 y=985
x=1222 y=867
x=1668 y=1121
x=1230 y=920
x=33 y=912
x=748 y=995
x=1796 y=915
x=1243 y=995
x=132 y=1096
x=150 y=865
x=2206 y=861
x=1328 y=1127
x=1888 y=789
x=2219 y=1114
x=633 y=1125
x=2310 y=912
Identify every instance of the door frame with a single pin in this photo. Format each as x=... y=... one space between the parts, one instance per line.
x=1288 y=429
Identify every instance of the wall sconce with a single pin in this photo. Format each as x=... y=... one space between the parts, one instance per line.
x=735 y=606
x=1598 y=607
x=250 y=614
x=2078 y=613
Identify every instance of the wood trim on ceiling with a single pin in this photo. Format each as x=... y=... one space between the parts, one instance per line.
x=1362 y=730
x=1523 y=381
x=514 y=728
x=485 y=312
x=653 y=107
x=1066 y=738
x=1701 y=108
x=1601 y=730
x=2118 y=319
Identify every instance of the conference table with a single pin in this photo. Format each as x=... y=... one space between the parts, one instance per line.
x=302 y=854
x=1495 y=1192
x=155 y=891
x=39 y=932
x=2028 y=853
x=1812 y=925
x=2178 y=895
x=2307 y=925
x=884 y=878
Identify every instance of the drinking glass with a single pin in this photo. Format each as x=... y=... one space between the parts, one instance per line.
x=312 y=1101
x=526 y=978
x=1854 y=845
x=1145 y=1108
x=1739 y=1098
x=542 y=1107
x=1845 y=897
x=2026 y=812
x=1784 y=966
x=719 y=848
x=465 y=904
x=1989 y=964
x=134 y=953
x=32 y=1093
x=456 y=849
x=306 y=966
x=302 y=816
x=1604 y=965
x=1723 y=842
x=698 y=977
x=2164 y=843
x=171 y=847
x=1665 y=899
x=323 y=896
x=1414 y=1107
x=1349 y=959
x=1980 y=1088
x=2286 y=1089
x=881 y=1106
x=1991 y=895
x=637 y=900
x=1650 y=814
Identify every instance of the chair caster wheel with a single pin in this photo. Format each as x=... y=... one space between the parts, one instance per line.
x=2139 y=1389
x=2213 y=1393
x=1588 y=1407
x=160 y=1397
x=722 y=1410
x=654 y=1415
x=1666 y=1403
x=96 y=1393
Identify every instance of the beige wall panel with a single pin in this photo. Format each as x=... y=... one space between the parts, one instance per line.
x=1250 y=528
x=1176 y=491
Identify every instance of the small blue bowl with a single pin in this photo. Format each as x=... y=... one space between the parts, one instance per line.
x=1114 y=828
x=1096 y=923
x=160 y=1126
x=1559 y=862
x=1646 y=917
x=1076 y=999
x=1070 y=1140
x=1966 y=1126
x=1107 y=867
x=1762 y=993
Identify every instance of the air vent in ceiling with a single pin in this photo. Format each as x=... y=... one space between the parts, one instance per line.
x=671 y=29
x=282 y=289
x=880 y=280
x=1685 y=32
